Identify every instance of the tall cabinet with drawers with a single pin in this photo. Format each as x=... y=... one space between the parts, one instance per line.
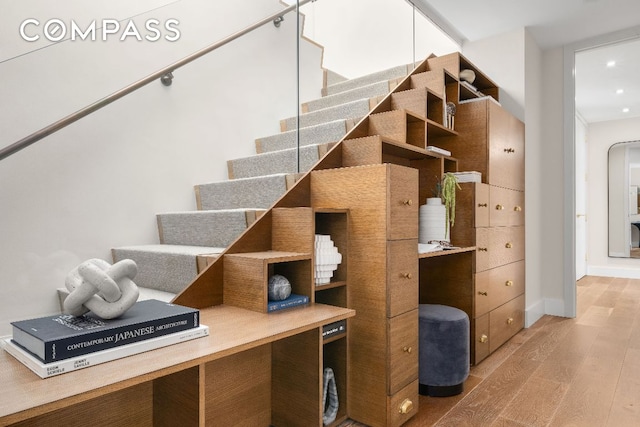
x=490 y=216
x=383 y=286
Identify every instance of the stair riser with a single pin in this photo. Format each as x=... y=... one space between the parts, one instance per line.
x=241 y=194
x=276 y=162
x=320 y=134
x=214 y=228
x=371 y=91
x=351 y=110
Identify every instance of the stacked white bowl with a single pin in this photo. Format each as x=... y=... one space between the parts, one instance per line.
x=327 y=259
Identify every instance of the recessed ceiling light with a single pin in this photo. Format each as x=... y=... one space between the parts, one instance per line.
x=620 y=91
x=611 y=64
x=625 y=110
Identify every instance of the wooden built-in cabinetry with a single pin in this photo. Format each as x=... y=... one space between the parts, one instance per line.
x=261 y=369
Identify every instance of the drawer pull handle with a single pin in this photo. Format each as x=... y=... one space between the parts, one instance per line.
x=509 y=283
x=483 y=249
x=508 y=245
x=509 y=150
x=482 y=205
x=406 y=275
x=407 y=349
x=517 y=209
x=406 y=406
x=499 y=207
x=509 y=320
x=483 y=293
x=484 y=338
x=408 y=202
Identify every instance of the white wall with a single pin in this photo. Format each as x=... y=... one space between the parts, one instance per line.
x=99 y=183
x=601 y=136
x=364 y=36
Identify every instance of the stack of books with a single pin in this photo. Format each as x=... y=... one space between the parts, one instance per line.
x=63 y=343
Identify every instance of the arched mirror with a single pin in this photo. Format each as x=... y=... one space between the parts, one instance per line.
x=624 y=200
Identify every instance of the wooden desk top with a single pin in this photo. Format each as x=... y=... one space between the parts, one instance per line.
x=231 y=330
x=446 y=252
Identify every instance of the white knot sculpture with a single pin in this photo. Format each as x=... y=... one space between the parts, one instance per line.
x=106 y=290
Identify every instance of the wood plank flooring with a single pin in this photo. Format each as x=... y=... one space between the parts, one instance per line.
x=582 y=372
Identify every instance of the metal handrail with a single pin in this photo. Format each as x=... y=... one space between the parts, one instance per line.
x=160 y=74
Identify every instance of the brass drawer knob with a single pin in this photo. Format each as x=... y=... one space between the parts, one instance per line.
x=407 y=349
x=482 y=249
x=406 y=275
x=499 y=207
x=508 y=283
x=408 y=202
x=482 y=205
x=483 y=293
x=517 y=208
x=484 y=338
x=509 y=320
x=508 y=245
x=509 y=150
x=406 y=406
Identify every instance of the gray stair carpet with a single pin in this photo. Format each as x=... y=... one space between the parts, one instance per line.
x=276 y=162
x=389 y=74
x=351 y=110
x=168 y=268
x=331 y=77
x=204 y=228
x=260 y=192
x=319 y=134
x=370 y=91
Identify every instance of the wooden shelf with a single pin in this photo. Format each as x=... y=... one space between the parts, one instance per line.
x=135 y=382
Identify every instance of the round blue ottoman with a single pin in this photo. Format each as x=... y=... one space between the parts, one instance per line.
x=444 y=356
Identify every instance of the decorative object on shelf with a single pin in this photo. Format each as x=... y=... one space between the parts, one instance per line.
x=433 y=220
x=449 y=186
x=468 y=176
x=467 y=76
x=451 y=112
x=327 y=259
x=330 y=391
x=106 y=290
x=279 y=288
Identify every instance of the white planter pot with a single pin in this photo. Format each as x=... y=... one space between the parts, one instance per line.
x=433 y=221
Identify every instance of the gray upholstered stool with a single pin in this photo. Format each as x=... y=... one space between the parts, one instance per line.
x=444 y=350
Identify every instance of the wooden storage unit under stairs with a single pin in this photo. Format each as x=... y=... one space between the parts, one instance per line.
x=382 y=286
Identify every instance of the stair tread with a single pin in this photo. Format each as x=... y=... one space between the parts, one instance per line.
x=368 y=91
x=389 y=73
x=352 y=110
x=173 y=249
x=331 y=131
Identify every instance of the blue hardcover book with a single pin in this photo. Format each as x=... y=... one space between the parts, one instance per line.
x=294 y=300
x=63 y=336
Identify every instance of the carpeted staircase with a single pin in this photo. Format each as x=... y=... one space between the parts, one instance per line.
x=190 y=240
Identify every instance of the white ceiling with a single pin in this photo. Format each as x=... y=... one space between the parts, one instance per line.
x=554 y=23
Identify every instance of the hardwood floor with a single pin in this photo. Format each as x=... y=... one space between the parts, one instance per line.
x=579 y=372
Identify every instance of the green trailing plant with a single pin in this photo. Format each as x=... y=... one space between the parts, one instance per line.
x=447 y=188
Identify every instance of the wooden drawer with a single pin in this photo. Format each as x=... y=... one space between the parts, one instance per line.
x=480 y=343
x=402 y=276
x=505 y=321
x=402 y=363
x=402 y=405
x=497 y=286
x=498 y=246
x=403 y=203
x=506 y=207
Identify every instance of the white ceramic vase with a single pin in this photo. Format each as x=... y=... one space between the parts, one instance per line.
x=433 y=221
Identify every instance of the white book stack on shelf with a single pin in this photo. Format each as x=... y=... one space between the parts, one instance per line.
x=468 y=176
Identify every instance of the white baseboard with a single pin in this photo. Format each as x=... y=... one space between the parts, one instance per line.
x=550 y=306
x=622 y=272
